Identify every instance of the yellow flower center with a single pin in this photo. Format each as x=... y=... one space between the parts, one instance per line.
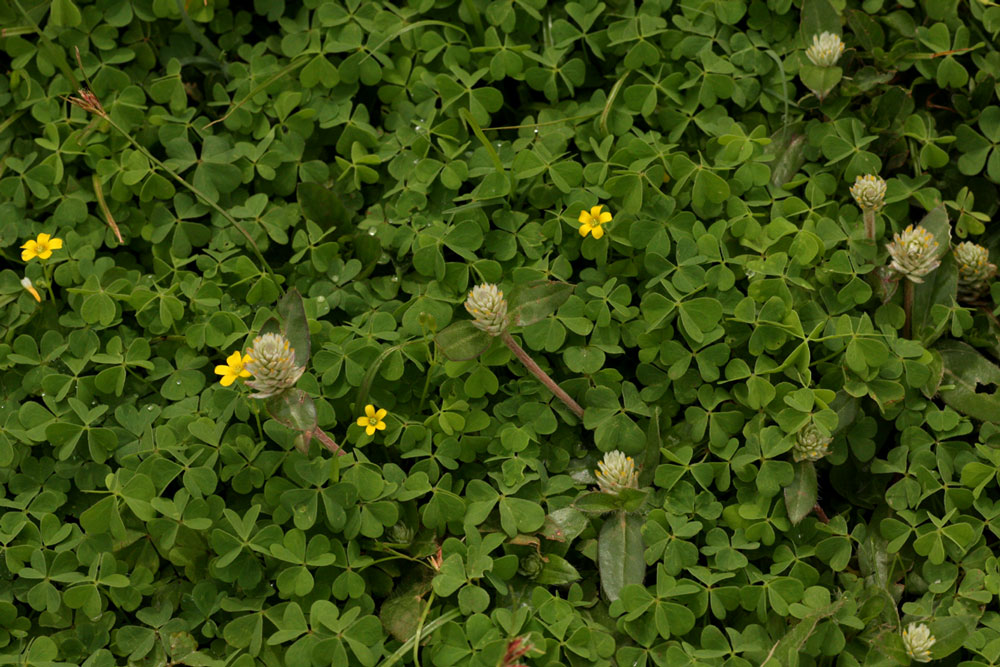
x=373 y=421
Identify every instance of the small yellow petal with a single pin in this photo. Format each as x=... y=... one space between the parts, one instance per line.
x=235 y=360
x=584 y=217
x=370 y=430
x=595 y=211
x=55 y=244
x=43 y=238
x=245 y=373
x=222 y=370
x=370 y=410
x=585 y=229
x=380 y=426
x=363 y=421
x=598 y=232
x=380 y=415
x=227 y=380
x=46 y=254
x=605 y=217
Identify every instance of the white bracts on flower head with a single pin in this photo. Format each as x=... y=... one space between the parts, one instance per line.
x=617 y=472
x=810 y=444
x=272 y=362
x=487 y=305
x=826 y=50
x=974 y=270
x=918 y=640
x=869 y=191
x=914 y=253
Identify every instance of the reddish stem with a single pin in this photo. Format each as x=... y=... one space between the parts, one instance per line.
x=542 y=376
x=328 y=442
x=820 y=514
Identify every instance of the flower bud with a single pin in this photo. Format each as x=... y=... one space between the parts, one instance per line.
x=974 y=270
x=826 y=49
x=487 y=305
x=617 y=472
x=914 y=253
x=272 y=362
x=869 y=192
x=810 y=444
x=400 y=533
x=918 y=640
x=530 y=566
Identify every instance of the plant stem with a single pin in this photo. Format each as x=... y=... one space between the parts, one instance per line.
x=328 y=442
x=542 y=376
x=420 y=627
x=820 y=514
x=198 y=193
x=869 y=216
x=908 y=307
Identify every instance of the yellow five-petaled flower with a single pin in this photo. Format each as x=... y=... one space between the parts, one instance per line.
x=373 y=419
x=591 y=221
x=234 y=368
x=41 y=247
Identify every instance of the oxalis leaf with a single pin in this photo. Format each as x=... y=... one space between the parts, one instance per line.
x=965 y=369
x=620 y=554
x=800 y=495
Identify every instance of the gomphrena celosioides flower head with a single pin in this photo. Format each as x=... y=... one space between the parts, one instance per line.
x=914 y=253
x=617 y=472
x=488 y=308
x=810 y=444
x=826 y=50
x=918 y=640
x=869 y=192
x=974 y=270
x=272 y=362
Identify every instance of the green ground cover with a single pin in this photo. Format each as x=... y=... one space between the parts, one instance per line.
x=499 y=332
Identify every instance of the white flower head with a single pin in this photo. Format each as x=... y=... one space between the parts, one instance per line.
x=810 y=444
x=869 y=191
x=487 y=305
x=272 y=362
x=918 y=640
x=974 y=269
x=617 y=472
x=914 y=253
x=826 y=49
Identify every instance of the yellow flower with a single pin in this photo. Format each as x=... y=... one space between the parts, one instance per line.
x=41 y=247
x=234 y=368
x=26 y=284
x=591 y=221
x=373 y=419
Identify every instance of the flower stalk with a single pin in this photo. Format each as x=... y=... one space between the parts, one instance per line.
x=489 y=311
x=542 y=376
x=89 y=102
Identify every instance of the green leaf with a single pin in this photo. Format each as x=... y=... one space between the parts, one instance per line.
x=534 y=302
x=965 y=370
x=323 y=207
x=800 y=495
x=296 y=326
x=462 y=341
x=620 y=554
x=293 y=408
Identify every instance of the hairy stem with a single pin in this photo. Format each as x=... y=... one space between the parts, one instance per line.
x=820 y=514
x=198 y=193
x=869 y=217
x=908 y=307
x=328 y=442
x=542 y=376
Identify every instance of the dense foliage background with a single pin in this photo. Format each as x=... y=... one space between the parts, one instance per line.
x=384 y=158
